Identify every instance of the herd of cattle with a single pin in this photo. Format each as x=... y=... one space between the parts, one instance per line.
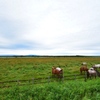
x=90 y=72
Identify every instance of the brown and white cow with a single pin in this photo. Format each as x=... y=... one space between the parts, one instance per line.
x=57 y=71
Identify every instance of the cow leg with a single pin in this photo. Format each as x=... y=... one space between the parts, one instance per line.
x=87 y=74
x=90 y=77
x=95 y=76
x=81 y=72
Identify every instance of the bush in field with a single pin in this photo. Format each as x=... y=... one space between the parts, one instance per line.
x=73 y=90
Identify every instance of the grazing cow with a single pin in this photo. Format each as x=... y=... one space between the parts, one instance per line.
x=84 y=63
x=96 y=66
x=83 y=68
x=91 y=73
x=57 y=71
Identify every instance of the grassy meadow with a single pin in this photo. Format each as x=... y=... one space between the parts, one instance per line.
x=40 y=67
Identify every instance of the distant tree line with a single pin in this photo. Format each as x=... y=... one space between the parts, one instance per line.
x=15 y=56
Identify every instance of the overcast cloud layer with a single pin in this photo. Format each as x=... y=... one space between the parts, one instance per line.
x=50 y=27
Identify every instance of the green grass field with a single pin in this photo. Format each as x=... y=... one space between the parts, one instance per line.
x=40 y=67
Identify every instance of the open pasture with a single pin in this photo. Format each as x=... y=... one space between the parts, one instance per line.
x=40 y=67
x=28 y=68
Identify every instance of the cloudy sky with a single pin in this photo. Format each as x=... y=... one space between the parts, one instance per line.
x=50 y=27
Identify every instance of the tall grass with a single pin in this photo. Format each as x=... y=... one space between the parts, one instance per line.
x=72 y=90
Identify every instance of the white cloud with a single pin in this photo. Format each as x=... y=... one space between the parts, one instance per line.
x=50 y=27
x=3 y=42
